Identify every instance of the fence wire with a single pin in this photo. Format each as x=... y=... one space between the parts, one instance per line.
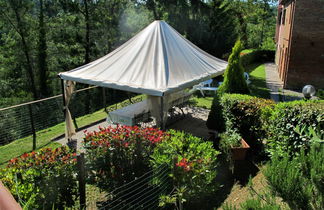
x=23 y=120
x=141 y=193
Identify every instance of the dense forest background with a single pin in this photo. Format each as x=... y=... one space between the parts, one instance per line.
x=40 y=38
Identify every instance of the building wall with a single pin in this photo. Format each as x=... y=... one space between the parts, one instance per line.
x=286 y=16
x=300 y=51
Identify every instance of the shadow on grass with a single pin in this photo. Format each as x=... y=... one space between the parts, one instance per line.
x=259 y=88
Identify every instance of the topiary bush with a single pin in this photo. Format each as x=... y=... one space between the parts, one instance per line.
x=215 y=119
x=234 y=81
x=280 y=123
x=192 y=161
x=119 y=155
x=46 y=178
x=298 y=181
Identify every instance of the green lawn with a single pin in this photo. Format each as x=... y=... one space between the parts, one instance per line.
x=248 y=51
x=258 y=85
x=45 y=137
x=203 y=102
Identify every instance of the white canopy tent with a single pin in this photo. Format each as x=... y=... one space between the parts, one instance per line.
x=157 y=61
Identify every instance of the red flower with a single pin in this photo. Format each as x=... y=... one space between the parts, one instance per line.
x=184 y=164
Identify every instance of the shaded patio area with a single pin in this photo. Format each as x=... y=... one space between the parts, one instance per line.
x=193 y=122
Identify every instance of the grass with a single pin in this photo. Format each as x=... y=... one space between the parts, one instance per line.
x=205 y=102
x=45 y=137
x=246 y=51
x=258 y=84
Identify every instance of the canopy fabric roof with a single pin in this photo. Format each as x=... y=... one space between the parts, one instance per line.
x=156 y=61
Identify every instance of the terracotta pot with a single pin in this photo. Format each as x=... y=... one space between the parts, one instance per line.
x=239 y=153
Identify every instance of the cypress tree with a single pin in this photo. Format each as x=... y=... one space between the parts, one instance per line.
x=234 y=81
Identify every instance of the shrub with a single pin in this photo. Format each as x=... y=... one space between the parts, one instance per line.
x=45 y=179
x=254 y=204
x=257 y=56
x=118 y=155
x=243 y=113
x=234 y=81
x=281 y=121
x=299 y=181
x=320 y=94
x=230 y=140
x=192 y=161
x=215 y=119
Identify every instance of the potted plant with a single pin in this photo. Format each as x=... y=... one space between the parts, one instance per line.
x=233 y=144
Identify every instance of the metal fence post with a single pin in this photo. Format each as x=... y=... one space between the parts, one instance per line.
x=82 y=183
x=32 y=125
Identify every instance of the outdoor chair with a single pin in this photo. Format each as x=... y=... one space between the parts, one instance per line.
x=205 y=86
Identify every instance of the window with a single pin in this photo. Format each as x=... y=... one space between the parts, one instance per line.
x=283 y=18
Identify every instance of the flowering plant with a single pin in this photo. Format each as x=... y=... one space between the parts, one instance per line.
x=47 y=176
x=118 y=155
x=192 y=161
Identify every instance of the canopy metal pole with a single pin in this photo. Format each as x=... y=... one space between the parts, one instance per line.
x=162 y=120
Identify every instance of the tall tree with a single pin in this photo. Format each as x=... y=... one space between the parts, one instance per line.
x=13 y=12
x=42 y=54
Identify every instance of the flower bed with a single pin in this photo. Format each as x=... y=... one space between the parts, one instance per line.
x=118 y=155
x=45 y=178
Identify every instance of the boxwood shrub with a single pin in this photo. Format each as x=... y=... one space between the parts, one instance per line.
x=281 y=121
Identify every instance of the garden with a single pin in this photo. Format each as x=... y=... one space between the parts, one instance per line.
x=126 y=167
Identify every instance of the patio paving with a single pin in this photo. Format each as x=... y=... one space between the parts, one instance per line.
x=194 y=122
x=274 y=83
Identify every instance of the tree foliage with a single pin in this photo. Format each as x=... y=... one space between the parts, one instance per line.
x=234 y=81
x=40 y=38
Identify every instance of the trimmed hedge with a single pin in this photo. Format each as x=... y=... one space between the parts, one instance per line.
x=262 y=121
x=257 y=56
x=281 y=121
x=243 y=113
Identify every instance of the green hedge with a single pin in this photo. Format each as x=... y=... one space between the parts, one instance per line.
x=243 y=113
x=281 y=121
x=262 y=121
x=239 y=112
x=258 y=56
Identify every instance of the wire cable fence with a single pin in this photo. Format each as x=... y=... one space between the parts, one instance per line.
x=26 y=119
x=142 y=193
